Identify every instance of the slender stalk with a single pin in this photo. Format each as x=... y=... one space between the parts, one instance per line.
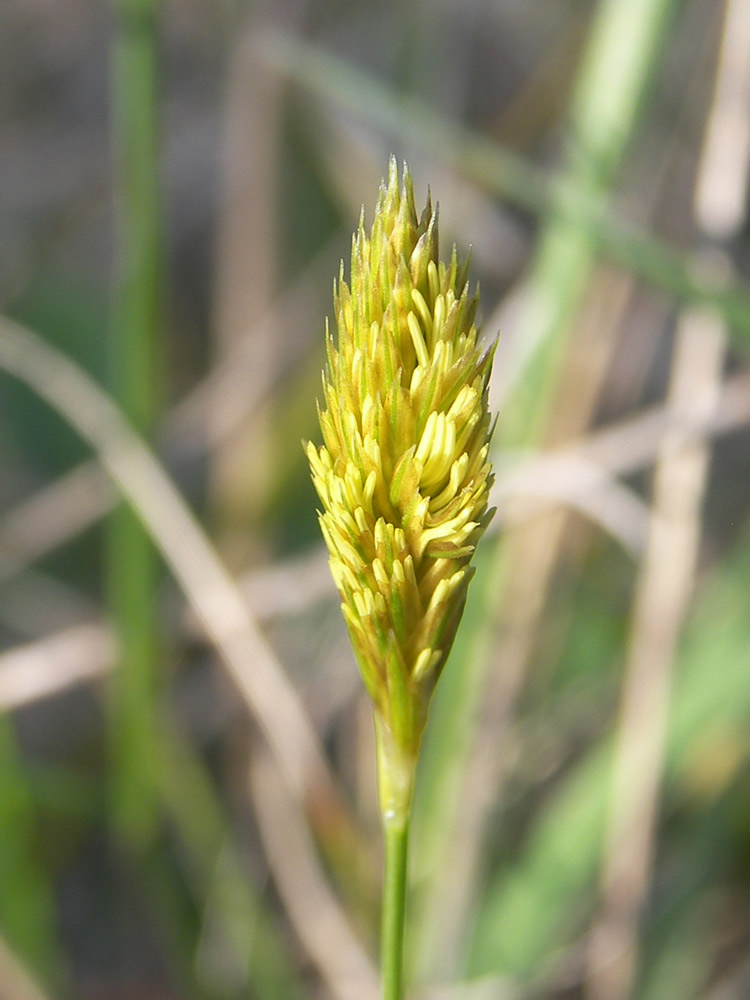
x=396 y=773
x=394 y=906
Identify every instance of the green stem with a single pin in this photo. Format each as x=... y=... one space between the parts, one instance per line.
x=394 y=906
x=134 y=335
x=397 y=765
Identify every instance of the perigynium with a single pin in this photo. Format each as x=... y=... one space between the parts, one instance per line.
x=403 y=475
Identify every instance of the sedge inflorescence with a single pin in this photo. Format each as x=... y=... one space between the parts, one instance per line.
x=403 y=474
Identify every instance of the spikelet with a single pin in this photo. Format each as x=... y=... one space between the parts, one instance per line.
x=403 y=474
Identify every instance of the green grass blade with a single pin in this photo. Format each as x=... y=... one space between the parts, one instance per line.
x=540 y=902
x=28 y=918
x=132 y=566
x=240 y=946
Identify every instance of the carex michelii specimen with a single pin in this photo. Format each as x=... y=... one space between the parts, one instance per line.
x=403 y=475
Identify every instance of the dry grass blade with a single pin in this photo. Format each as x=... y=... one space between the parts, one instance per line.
x=662 y=596
x=665 y=581
x=55 y=513
x=551 y=481
x=15 y=982
x=45 y=668
x=316 y=915
x=79 y=498
x=213 y=595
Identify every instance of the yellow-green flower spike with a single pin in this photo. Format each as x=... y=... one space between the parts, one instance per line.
x=403 y=474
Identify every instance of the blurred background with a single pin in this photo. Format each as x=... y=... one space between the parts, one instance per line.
x=187 y=802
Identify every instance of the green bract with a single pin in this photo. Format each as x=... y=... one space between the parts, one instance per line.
x=403 y=474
